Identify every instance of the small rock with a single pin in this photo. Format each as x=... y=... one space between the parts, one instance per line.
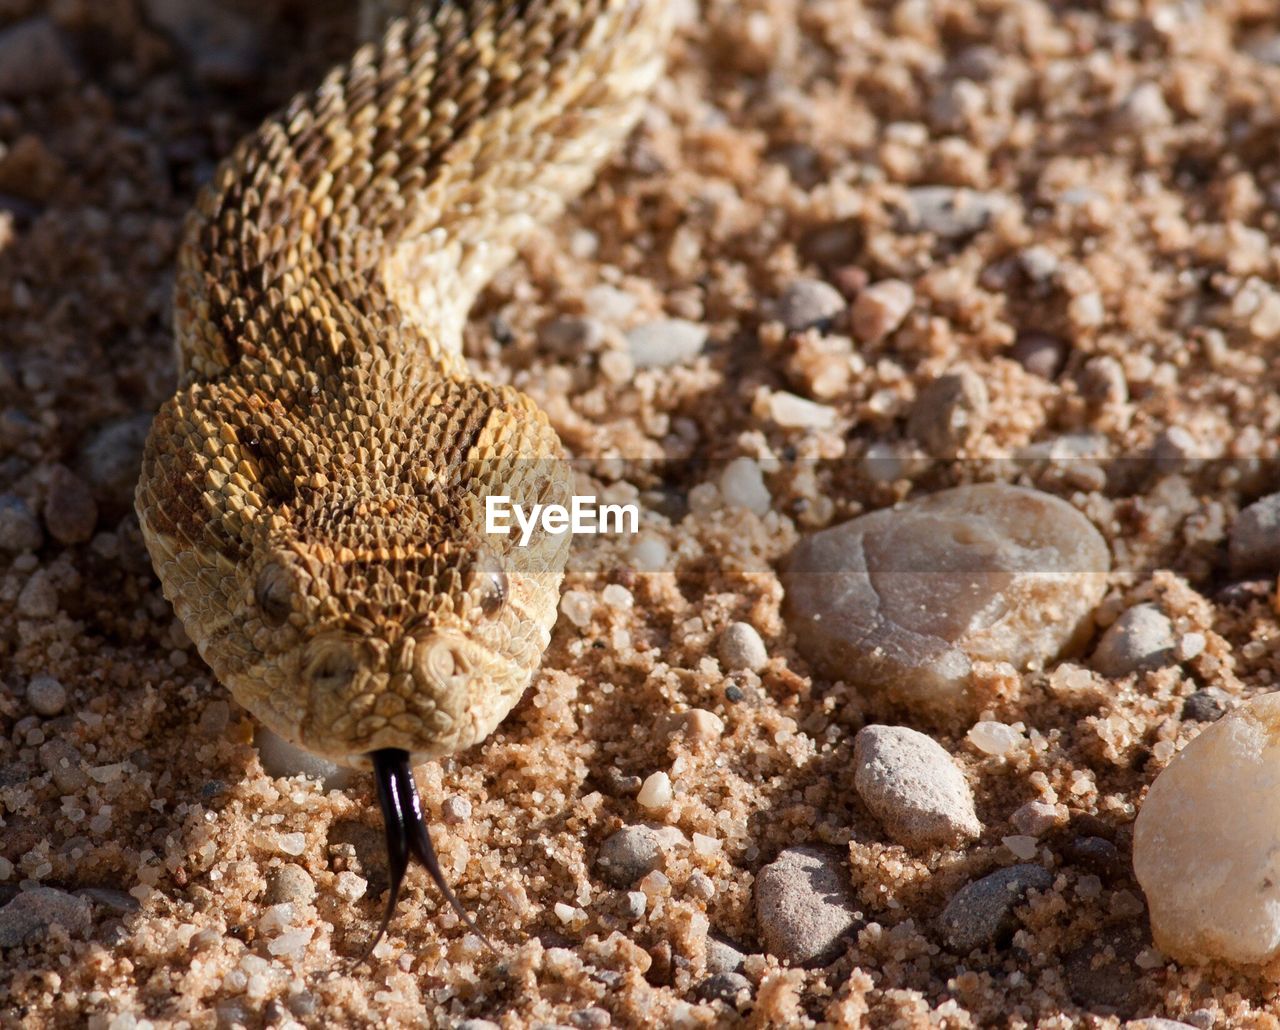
x=1035 y=818
x=668 y=341
x=478 y=1024
x=38 y=598
x=655 y=792
x=46 y=696
x=741 y=648
x=949 y=413
x=982 y=912
x=1173 y=448
x=804 y=905
x=19 y=527
x=61 y=760
x=1254 y=543
x=809 y=303
x=1144 y=108
x=224 y=47
x=1157 y=1023
x=634 y=851
x=730 y=988
x=907 y=599
x=742 y=486
x=994 y=738
x=1207 y=705
x=290 y=884
x=118 y=902
x=1097 y=855
x=880 y=309
x=1039 y=264
x=913 y=787
x=723 y=957
x=1205 y=841
x=112 y=459
x=1102 y=974
x=571 y=336
x=1041 y=354
x=792 y=412
x=1142 y=638
x=950 y=213
x=593 y=1018
x=456 y=809
x=34 y=911
x=33 y=58
x=1103 y=382
x=70 y=512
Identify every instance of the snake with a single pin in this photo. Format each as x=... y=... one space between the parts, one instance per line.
x=312 y=496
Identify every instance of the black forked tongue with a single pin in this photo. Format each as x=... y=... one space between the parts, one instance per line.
x=407 y=835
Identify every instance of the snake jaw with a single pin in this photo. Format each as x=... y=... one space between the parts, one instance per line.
x=407 y=836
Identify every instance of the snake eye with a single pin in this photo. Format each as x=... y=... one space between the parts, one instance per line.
x=273 y=593
x=486 y=582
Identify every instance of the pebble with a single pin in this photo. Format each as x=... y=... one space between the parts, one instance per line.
x=906 y=599
x=994 y=738
x=33 y=58
x=982 y=912
x=290 y=884
x=741 y=648
x=951 y=213
x=655 y=792
x=61 y=760
x=668 y=341
x=731 y=988
x=455 y=809
x=1041 y=354
x=880 y=309
x=1035 y=818
x=913 y=787
x=112 y=459
x=1142 y=638
x=223 y=46
x=804 y=905
x=1253 y=545
x=38 y=598
x=1207 y=705
x=723 y=957
x=34 y=911
x=949 y=413
x=634 y=851
x=1206 y=838
x=742 y=485
x=792 y=412
x=571 y=335
x=19 y=527
x=809 y=304
x=70 y=512
x=46 y=696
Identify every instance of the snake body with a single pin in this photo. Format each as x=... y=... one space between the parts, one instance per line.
x=312 y=496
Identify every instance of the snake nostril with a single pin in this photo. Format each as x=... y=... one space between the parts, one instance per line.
x=331 y=667
x=445 y=661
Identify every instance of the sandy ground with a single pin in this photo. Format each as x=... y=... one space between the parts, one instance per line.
x=1125 y=155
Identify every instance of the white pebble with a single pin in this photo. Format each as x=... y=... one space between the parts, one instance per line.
x=669 y=341
x=741 y=648
x=995 y=738
x=617 y=596
x=351 y=886
x=792 y=412
x=1023 y=847
x=568 y=914
x=656 y=791
x=649 y=553
x=1190 y=645
x=577 y=606
x=291 y=944
x=742 y=486
x=291 y=843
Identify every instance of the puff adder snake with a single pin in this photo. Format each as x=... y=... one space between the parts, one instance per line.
x=312 y=495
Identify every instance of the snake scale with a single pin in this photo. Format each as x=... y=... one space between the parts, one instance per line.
x=312 y=495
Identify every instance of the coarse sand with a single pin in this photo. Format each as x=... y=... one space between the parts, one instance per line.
x=1077 y=204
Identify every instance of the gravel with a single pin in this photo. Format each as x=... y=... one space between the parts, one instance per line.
x=741 y=648
x=634 y=851
x=1207 y=705
x=880 y=309
x=982 y=912
x=723 y=957
x=913 y=787
x=46 y=696
x=949 y=413
x=1254 y=544
x=731 y=988
x=70 y=512
x=809 y=304
x=290 y=884
x=33 y=912
x=33 y=58
x=19 y=526
x=950 y=213
x=804 y=905
x=1142 y=638
x=670 y=341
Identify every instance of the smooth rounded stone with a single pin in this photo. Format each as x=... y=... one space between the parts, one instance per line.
x=982 y=912
x=34 y=911
x=60 y=759
x=731 y=988
x=70 y=512
x=634 y=851
x=723 y=957
x=913 y=787
x=804 y=905
x=741 y=648
x=793 y=412
x=572 y=335
x=907 y=599
x=1158 y=1023
x=33 y=58
x=1041 y=354
x=46 y=696
x=742 y=486
x=19 y=527
x=1206 y=843
x=809 y=303
x=950 y=212
x=668 y=341
x=1207 y=705
x=1142 y=638
x=290 y=884
x=38 y=598
x=109 y=898
x=1253 y=545
x=949 y=413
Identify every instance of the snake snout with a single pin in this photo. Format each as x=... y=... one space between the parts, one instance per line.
x=444 y=659
x=331 y=663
